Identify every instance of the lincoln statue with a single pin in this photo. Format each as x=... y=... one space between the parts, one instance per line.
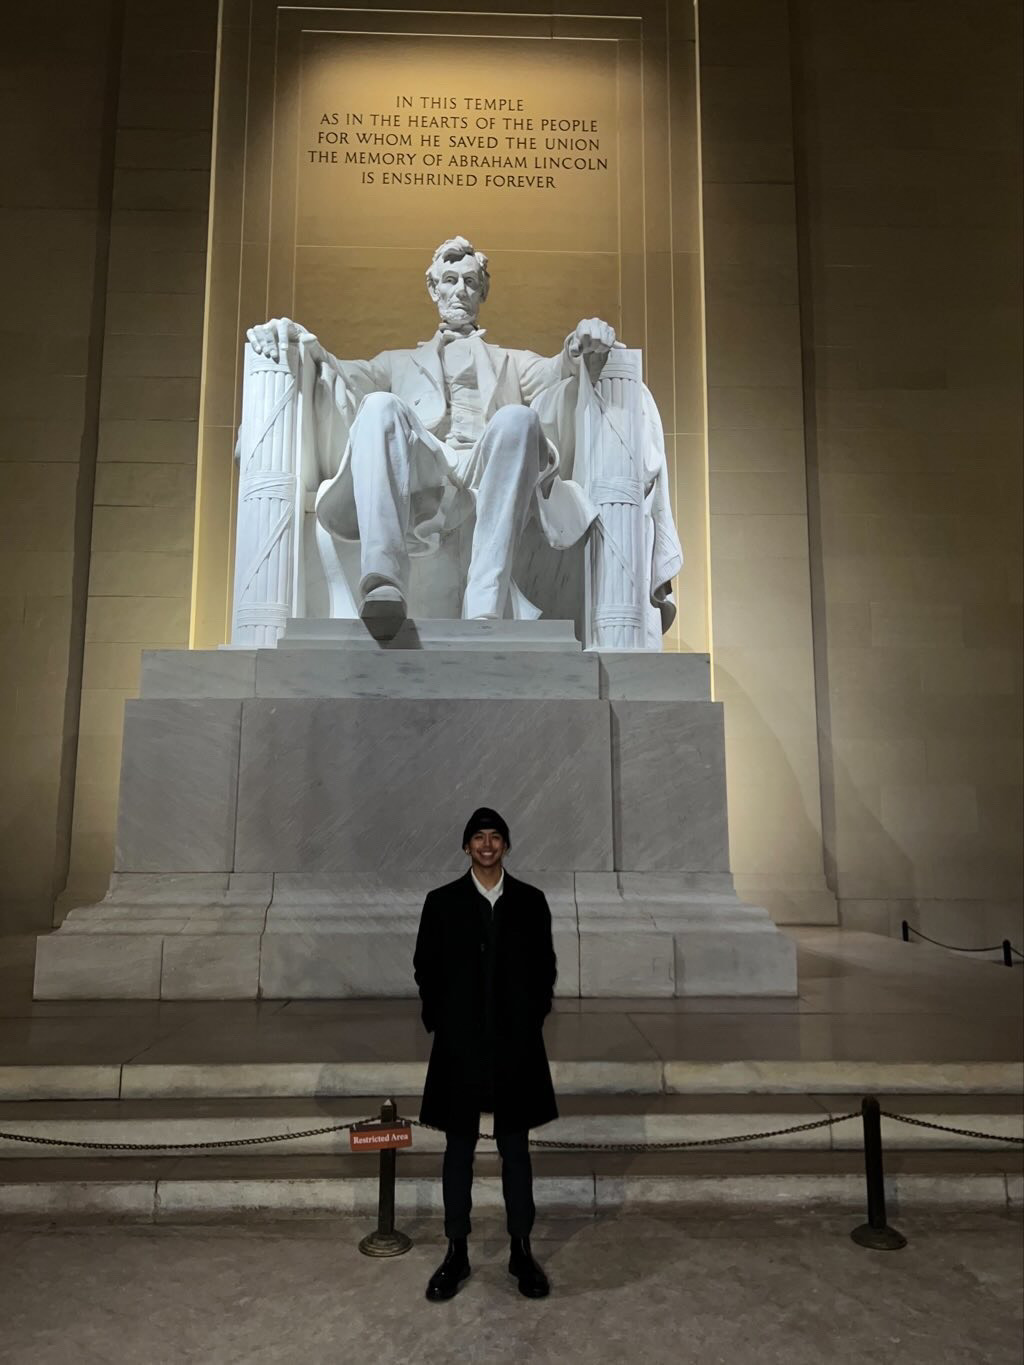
x=459 y=435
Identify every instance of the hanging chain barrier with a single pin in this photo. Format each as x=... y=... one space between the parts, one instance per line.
x=946 y=1128
x=828 y=1122
x=186 y=1146
x=556 y=1144
x=1005 y=947
x=386 y=1240
x=547 y=1144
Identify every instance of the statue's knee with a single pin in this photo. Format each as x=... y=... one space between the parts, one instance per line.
x=379 y=408
x=516 y=420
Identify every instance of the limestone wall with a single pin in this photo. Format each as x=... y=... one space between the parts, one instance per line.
x=861 y=181
x=105 y=147
x=909 y=176
x=139 y=583
x=761 y=621
x=55 y=121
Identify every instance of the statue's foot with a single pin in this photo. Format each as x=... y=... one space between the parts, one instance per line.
x=383 y=610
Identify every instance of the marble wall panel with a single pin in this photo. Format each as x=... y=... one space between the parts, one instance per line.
x=744 y=963
x=210 y=967
x=421 y=673
x=346 y=964
x=622 y=964
x=179 y=775
x=198 y=673
x=339 y=785
x=668 y=774
x=655 y=677
x=110 y=966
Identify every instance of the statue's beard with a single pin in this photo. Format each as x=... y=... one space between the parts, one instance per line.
x=457 y=317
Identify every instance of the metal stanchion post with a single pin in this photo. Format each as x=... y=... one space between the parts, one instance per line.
x=905 y=931
x=1007 y=953
x=875 y=1233
x=385 y=1240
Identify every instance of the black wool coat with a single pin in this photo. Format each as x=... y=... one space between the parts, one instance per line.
x=464 y=1068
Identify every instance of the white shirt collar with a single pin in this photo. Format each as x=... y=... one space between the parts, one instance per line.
x=494 y=892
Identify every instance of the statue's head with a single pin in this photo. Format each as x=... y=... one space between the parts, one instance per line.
x=457 y=281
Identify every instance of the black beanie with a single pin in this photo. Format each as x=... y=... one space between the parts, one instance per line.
x=485 y=818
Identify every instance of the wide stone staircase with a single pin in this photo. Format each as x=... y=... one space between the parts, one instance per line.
x=936 y=1038
x=819 y=1166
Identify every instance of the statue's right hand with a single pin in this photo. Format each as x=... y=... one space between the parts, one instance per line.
x=272 y=338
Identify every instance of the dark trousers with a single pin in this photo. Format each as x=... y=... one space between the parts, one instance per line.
x=516 y=1184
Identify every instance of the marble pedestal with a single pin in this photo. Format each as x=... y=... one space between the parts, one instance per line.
x=283 y=811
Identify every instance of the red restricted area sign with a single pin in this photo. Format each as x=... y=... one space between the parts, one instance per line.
x=374 y=1137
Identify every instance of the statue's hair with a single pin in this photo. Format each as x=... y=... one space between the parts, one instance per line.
x=454 y=249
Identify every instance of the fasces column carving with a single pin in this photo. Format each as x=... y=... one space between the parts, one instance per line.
x=271 y=498
x=617 y=557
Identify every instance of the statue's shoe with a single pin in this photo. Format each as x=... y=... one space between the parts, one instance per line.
x=533 y=1283
x=383 y=609
x=445 y=1281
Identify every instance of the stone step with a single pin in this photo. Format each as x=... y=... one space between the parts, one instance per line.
x=424 y=633
x=685 y=1183
x=583 y=1118
x=309 y=1080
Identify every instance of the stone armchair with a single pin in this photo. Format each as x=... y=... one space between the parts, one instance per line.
x=288 y=566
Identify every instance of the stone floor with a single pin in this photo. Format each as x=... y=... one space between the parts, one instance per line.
x=861 y=996
x=628 y=1289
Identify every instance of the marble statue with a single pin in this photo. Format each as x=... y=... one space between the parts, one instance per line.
x=453 y=447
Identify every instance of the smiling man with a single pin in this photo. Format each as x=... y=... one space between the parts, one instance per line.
x=485 y=967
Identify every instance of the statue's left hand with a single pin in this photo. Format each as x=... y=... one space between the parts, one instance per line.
x=272 y=339
x=592 y=337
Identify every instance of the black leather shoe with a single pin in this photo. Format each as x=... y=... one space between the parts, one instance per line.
x=445 y=1281
x=532 y=1280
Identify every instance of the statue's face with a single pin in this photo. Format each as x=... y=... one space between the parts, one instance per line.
x=458 y=290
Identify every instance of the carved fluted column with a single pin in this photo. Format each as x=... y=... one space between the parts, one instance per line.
x=270 y=500
x=617 y=572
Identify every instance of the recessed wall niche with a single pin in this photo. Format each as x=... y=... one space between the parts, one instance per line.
x=349 y=142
